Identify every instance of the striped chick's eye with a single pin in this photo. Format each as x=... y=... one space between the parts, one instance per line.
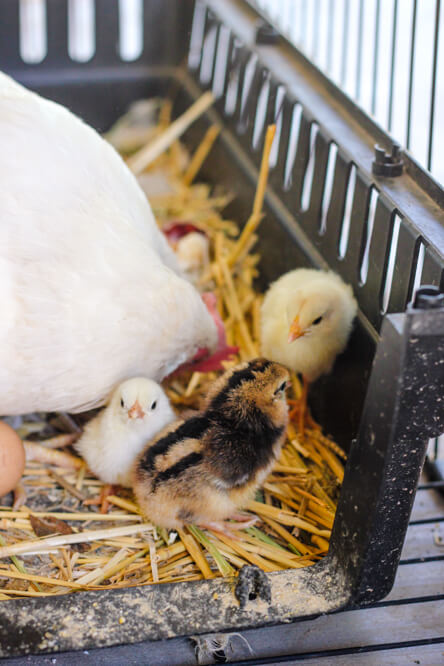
x=281 y=388
x=154 y=405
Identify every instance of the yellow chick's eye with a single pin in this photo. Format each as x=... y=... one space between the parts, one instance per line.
x=316 y=321
x=153 y=406
x=122 y=404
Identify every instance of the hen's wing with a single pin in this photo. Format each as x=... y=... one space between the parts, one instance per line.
x=88 y=293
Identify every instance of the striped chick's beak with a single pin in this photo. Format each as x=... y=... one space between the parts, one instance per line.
x=136 y=411
x=296 y=331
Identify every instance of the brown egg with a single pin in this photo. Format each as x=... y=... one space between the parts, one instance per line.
x=12 y=458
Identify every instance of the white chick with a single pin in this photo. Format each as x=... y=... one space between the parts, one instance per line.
x=193 y=254
x=306 y=320
x=137 y=411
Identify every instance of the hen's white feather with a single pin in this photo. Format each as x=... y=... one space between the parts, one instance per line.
x=309 y=295
x=112 y=440
x=90 y=290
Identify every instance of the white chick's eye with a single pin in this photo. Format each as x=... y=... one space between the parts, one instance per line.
x=153 y=406
x=316 y=321
x=122 y=404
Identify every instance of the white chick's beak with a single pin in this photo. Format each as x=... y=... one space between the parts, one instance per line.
x=296 y=331
x=136 y=411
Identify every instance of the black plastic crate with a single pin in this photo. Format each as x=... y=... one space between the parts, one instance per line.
x=384 y=399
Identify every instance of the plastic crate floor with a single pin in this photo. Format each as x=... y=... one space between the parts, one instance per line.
x=407 y=627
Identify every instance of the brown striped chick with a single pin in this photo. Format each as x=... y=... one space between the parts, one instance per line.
x=204 y=469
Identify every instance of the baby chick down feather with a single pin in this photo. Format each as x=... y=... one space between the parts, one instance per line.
x=137 y=411
x=91 y=292
x=202 y=469
x=306 y=320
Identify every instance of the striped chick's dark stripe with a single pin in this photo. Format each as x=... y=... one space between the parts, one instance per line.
x=178 y=468
x=237 y=378
x=193 y=428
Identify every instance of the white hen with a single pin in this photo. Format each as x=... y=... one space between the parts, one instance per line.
x=306 y=320
x=137 y=411
x=89 y=287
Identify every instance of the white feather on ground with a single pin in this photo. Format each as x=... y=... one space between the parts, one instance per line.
x=90 y=290
x=137 y=411
x=322 y=306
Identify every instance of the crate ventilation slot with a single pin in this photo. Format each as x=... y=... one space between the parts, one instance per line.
x=197 y=35
x=250 y=70
x=390 y=264
x=33 y=35
x=293 y=141
x=208 y=52
x=220 y=66
x=81 y=30
x=367 y=235
x=309 y=171
x=261 y=114
x=328 y=187
x=346 y=220
x=130 y=29
x=417 y=269
x=274 y=153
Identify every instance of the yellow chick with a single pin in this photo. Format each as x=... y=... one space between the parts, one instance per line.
x=306 y=320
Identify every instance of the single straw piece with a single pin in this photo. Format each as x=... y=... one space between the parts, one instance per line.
x=196 y=553
x=68 y=515
x=256 y=215
x=200 y=155
x=67 y=486
x=35 y=545
x=146 y=155
x=236 y=310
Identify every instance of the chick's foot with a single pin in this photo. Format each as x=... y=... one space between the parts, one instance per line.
x=246 y=519
x=228 y=528
x=107 y=489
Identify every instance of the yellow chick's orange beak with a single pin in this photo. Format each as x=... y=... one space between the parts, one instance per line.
x=295 y=331
x=136 y=411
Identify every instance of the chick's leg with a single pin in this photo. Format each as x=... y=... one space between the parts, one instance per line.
x=107 y=489
x=303 y=404
x=101 y=500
